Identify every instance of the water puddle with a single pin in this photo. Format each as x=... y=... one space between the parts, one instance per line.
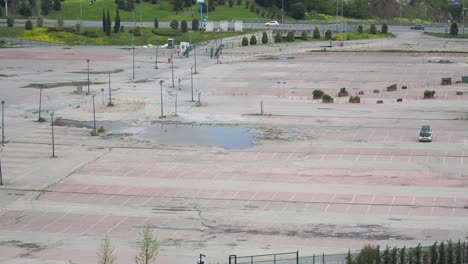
x=228 y=137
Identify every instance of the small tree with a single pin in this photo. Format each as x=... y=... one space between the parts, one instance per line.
x=316 y=33
x=384 y=28
x=458 y=253
x=360 y=29
x=450 y=259
x=247 y=4
x=104 y=20
x=174 y=24
x=349 y=257
x=108 y=24
x=386 y=255
x=45 y=6
x=442 y=258
x=245 y=41
x=278 y=38
x=454 y=29
x=40 y=21
x=264 y=38
x=156 y=23
x=290 y=36
x=373 y=29
x=28 y=25
x=117 y=21
x=239 y=2
x=10 y=21
x=231 y=3
x=149 y=247
x=184 y=26
x=403 y=255
x=121 y=4
x=57 y=5
x=60 y=23
x=317 y=94
x=433 y=259
x=253 y=40
x=394 y=252
x=106 y=253
x=195 y=24
x=418 y=254
x=328 y=34
x=304 y=35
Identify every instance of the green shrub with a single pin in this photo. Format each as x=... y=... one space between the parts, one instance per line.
x=454 y=29
x=317 y=94
x=316 y=33
x=290 y=36
x=10 y=21
x=245 y=41
x=252 y=8
x=174 y=24
x=77 y=27
x=257 y=10
x=278 y=38
x=156 y=23
x=231 y=3
x=326 y=97
x=360 y=29
x=60 y=23
x=195 y=24
x=304 y=35
x=90 y=34
x=184 y=26
x=247 y=4
x=164 y=32
x=239 y=2
x=429 y=93
x=384 y=28
x=264 y=38
x=253 y=40
x=343 y=92
x=40 y=22
x=328 y=34
x=373 y=29
x=28 y=25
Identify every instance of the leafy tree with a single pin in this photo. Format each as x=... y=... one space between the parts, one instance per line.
x=121 y=4
x=442 y=258
x=316 y=33
x=46 y=5
x=247 y=4
x=304 y=35
x=195 y=24
x=368 y=254
x=450 y=259
x=153 y=2
x=434 y=253
x=106 y=253
x=386 y=255
x=454 y=29
x=290 y=36
x=278 y=38
x=231 y=3
x=360 y=30
x=149 y=247
x=177 y=5
x=10 y=21
x=252 y=8
x=253 y=40
x=328 y=34
x=245 y=41
x=184 y=26
x=458 y=253
x=394 y=256
x=28 y=25
x=239 y=2
x=60 y=23
x=264 y=38
x=117 y=21
x=384 y=28
x=373 y=29
x=174 y=24
x=108 y=24
x=417 y=254
x=156 y=23
x=78 y=27
x=104 y=20
x=298 y=11
x=40 y=21
x=57 y=5
x=349 y=257
x=377 y=255
x=24 y=8
x=129 y=5
x=411 y=256
x=403 y=255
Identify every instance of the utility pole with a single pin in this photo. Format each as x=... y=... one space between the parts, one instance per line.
x=162 y=108
x=156 y=60
x=53 y=140
x=172 y=68
x=40 y=101
x=133 y=41
x=191 y=82
x=110 y=96
x=87 y=61
x=3 y=123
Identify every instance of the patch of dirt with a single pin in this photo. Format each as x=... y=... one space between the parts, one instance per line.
x=30 y=248
x=98 y=72
x=278 y=134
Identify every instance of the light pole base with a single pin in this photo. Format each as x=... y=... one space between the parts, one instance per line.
x=54 y=156
x=162 y=117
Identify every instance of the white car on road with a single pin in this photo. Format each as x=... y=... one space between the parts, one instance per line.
x=272 y=23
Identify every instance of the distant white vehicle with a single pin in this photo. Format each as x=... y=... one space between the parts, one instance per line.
x=272 y=23
x=425 y=134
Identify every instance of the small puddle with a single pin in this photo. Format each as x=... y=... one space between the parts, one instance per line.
x=228 y=137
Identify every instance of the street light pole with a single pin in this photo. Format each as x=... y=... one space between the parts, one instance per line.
x=94 y=115
x=3 y=123
x=172 y=68
x=162 y=107
x=133 y=40
x=156 y=60
x=110 y=96
x=191 y=81
x=195 y=58
x=176 y=104
x=87 y=61
x=53 y=140
x=40 y=101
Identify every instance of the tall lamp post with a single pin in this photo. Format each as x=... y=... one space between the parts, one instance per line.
x=162 y=107
x=94 y=115
x=172 y=69
x=40 y=101
x=191 y=82
x=156 y=60
x=53 y=140
x=133 y=40
x=87 y=61
x=3 y=123
x=195 y=58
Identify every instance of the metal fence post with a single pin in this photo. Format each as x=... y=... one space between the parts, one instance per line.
x=297 y=257
x=313 y=259
x=251 y=260
x=323 y=258
x=274 y=259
